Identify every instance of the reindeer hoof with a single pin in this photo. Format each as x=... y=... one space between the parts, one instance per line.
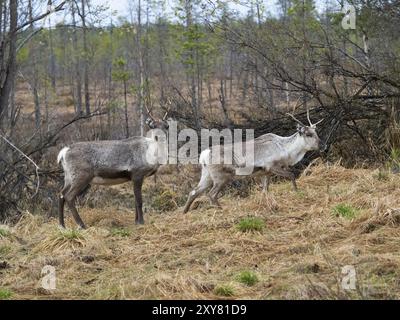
x=139 y=222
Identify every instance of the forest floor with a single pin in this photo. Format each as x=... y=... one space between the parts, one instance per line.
x=280 y=245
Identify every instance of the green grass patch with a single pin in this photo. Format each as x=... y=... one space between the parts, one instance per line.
x=5 y=294
x=120 y=232
x=251 y=224
x=300 y=194
x=248 y=278
x=382 y=175
x=224 y=291
x=345 y=211
x=165 y=201
x=4 y=233
x=4 y=250
x=70 y=235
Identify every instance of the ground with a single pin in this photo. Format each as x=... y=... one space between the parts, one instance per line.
x=279 y=245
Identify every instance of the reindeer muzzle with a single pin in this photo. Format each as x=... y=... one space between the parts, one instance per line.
x=322 y=146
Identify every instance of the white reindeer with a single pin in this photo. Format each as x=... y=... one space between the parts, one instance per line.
x=273 y=154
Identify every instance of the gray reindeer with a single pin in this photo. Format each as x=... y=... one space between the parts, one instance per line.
x=273 y=154
x=109 y=163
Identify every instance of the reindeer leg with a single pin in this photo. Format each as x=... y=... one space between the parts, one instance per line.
x=213 y=194
x=75 y=214
x=204 y=184
x=293 y=178
x=137 y=189
x=70 y=196
x=286 y=173
x=266 y=181
x=61 y=203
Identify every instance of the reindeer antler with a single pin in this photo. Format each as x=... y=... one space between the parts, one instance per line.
x=309 y=120
x=169 y=103
x=315 y=124
x=294 y=118
x=149 y=113
x=308 y=117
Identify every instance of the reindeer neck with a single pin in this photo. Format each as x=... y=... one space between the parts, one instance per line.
x=155 y=137
x=295 y=148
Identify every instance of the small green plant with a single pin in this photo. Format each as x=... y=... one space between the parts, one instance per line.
x=165 y=201
x=4 y=233
x=382 y=175
x=300 y=194
x=393 y=163
x=224 y=291
x=345 y=211
x=120 y=232
x=71 y=234
x=395 y=155
x=250 y=224
x=248 y=278
x=4 y=250
x=5 y=294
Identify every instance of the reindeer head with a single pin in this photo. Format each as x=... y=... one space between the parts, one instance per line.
x=157 y=123
x=309 y=134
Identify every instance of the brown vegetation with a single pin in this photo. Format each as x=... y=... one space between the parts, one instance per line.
x=298 y=254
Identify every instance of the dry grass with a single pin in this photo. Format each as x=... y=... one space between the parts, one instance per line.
x=298 y=253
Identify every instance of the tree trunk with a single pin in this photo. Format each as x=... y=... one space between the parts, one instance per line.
x=7 y=79
x=192 y=73
x=126 y=109
x=141 y=71
x=85 y=60
x=52 y=59
x=78 y=92
x=32 y=51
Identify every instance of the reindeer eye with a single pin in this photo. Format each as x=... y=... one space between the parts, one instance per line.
x=309 y=135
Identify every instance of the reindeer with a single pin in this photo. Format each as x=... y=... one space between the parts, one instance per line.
x=109 y=163
x=273 y=154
